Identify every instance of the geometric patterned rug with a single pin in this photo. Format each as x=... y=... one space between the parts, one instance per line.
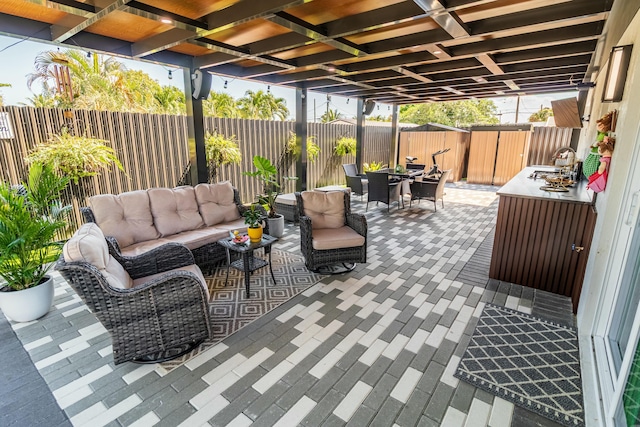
x=530 y=362
x=229 y=307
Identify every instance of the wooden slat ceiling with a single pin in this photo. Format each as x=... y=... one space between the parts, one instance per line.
x=391 y=51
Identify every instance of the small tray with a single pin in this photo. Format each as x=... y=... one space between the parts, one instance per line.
x=243 y=239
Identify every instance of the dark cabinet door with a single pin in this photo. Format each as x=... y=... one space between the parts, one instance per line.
x=543 y=244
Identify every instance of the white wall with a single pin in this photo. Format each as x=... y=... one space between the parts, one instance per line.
x=612 y=204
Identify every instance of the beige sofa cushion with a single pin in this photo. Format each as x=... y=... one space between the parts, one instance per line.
x=216 y=203
x=127 y=216
x=88 y=245
x=194 y=239
x=326 y=209
x=335 y=238
x=174 y=210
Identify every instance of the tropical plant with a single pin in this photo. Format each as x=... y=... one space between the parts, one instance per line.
x=541 y=115
x=312 y=148
x=330 y=115
x=262 y=105
x=267 y=173
x=373 y=166
x=75 y=156
x=345 y=145
x=252 y=216
x=100 y=83
x=220 y=104
x=219 y=151
x=452 y=113
x=29 y=223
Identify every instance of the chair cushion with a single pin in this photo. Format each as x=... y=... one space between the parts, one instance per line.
x=326 y=209
x=237 y=224
x=127 y=216
x=88 y=245
x=174 y=210
x=286 y=199
x=336 y=238
x=190 y=268
x=216 y=203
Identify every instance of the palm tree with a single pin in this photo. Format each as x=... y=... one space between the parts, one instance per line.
x=170 y=100
x=330 y=115
x=220 y=104
x=261 y=105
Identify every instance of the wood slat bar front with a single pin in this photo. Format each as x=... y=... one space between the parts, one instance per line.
x=542 y=239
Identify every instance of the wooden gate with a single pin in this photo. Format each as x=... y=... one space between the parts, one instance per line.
x=497 y=154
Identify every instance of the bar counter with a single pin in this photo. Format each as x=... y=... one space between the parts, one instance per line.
x=543 y=238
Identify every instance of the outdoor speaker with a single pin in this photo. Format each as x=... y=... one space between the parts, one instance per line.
x=368 y=106
x=201 y=84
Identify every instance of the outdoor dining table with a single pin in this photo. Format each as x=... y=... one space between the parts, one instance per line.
x=405 y=178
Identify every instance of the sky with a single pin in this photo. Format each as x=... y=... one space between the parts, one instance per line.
x=20 y=54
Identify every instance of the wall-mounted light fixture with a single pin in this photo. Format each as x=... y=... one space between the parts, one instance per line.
x=616 y=73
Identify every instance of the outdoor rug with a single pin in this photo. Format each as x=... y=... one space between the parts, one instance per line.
x=229 y=307
x=528 y=361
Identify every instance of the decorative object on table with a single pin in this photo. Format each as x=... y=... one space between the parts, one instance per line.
x=528 y=361
x=253 y=218
x=238 y=238
x=31 y=215
x=373 y=166
x=267 y=173
x=605 y=124
x=598 y=180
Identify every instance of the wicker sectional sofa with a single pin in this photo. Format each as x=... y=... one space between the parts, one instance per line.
x=197 y=217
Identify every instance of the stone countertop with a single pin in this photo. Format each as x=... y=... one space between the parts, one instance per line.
x=522 y=185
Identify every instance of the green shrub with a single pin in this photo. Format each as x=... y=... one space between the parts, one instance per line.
x=74 y=156
x=345 y=145
x=373 y=166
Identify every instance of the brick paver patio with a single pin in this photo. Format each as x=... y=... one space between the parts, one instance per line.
x=377 y=346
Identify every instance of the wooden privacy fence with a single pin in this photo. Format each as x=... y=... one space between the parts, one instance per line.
x=423 y=141
x=498 y=153
x=154 y=149
x=544 y=143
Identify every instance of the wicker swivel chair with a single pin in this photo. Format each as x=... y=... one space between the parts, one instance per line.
x=155 y=307
x=381 y=189
x=357 y=182
x=429 y=189
x=330 y=234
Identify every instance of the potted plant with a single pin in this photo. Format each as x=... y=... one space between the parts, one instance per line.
x=30 y=218
x=253 y=218
x=268 y=174
x=345 y=145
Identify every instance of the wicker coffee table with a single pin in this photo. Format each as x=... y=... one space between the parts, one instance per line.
x=248 y=262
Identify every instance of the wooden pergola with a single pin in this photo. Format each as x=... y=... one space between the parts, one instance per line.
x=391 y=51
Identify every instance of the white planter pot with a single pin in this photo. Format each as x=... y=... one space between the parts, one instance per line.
x=28 y=304
x=276 y=226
